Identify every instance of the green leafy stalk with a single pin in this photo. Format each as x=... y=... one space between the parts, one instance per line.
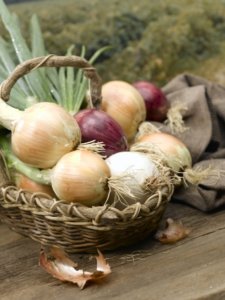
x=34 y=79
x=17 y=94
x=62 y=84
x=37 y=42
x=10 y=65
x=81 y=85
x=70 y=82
x=13 y=162
x=38 y=49
x=98 y=53
x=73 y=84
x=78 y=99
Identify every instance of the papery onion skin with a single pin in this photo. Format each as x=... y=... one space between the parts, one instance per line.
x=177 y=153
x=156 y=102
x=23 y=182
x=174 y=232
x=138 y=167
x=43 y=134
x=81 y=176
x=124 y=104
x=99 y=126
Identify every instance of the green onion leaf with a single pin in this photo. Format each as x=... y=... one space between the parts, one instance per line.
x=98 y=53
x=69 y=82
x=10 y=65
x=62 y=83
x=38 y=49
x=23 y=53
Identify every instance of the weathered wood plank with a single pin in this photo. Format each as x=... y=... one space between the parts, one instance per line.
x=194 y=268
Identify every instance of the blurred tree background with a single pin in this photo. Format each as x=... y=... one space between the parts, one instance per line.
x=152 y=40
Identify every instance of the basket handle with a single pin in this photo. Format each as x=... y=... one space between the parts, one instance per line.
x=54 y=61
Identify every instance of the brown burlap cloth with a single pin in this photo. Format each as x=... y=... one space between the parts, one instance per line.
x=204 y=118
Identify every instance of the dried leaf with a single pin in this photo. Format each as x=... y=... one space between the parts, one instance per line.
x=175 y=231
x=60 y=266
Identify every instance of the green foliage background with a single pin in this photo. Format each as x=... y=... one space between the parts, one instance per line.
x=153 y=40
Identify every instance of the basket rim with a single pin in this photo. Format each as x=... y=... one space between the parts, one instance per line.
x=40 y=203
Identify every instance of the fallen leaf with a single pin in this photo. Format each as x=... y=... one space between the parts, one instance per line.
x=174 y=231
x=60 y=266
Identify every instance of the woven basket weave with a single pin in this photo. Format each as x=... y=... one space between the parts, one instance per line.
x=75 y=227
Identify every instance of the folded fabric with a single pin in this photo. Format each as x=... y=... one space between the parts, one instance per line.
x=204 y=119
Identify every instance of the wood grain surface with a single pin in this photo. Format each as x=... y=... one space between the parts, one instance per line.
x=193 y=268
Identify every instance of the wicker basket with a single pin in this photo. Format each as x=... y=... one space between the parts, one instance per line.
x=74 y=227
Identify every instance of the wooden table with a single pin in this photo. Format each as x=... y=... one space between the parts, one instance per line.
x=193 y=268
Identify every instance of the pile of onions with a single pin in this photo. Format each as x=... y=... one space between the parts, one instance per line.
x=84 y=176
x=99 y=126
x=124 y=104
x=133 y=171
x=171 y=149
x=156 y=102
x=45 y=140
x=41 y=134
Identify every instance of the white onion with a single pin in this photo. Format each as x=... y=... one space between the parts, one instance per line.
x=133 y=170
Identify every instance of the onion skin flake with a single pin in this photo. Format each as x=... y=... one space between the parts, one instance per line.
x=174 y=232
x=55 y=262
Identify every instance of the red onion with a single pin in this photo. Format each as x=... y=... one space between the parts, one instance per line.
x=99 y=126
x=155 y=101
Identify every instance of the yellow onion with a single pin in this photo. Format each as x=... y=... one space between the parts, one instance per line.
x=81 y=176
x=174 y=150
x=125 y=104
x=24 y=182
x=43 y=133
